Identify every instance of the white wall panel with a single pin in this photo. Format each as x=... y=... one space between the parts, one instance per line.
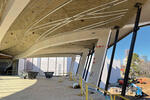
x=65 y=65
x=58 y=65
x=29 y=64
x=35 y=67
x=59 y=69
x=52 y=61
x=44 y=64
x=21 y=66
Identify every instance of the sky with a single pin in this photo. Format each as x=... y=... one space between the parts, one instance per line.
x=142 y=45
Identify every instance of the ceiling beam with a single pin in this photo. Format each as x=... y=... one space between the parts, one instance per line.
x=65 y=39
x=12 y=11
x=60 y=50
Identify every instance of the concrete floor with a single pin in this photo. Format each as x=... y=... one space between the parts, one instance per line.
x=14 y=88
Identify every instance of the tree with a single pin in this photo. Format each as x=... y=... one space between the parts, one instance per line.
x=134 y=65
x=144 y=68
x=138 y=66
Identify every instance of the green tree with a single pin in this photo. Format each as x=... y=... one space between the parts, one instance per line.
x=134 y=65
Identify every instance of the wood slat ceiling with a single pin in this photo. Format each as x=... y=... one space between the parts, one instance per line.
x=43 y=19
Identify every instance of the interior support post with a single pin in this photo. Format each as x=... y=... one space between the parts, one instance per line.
x=92 y=52
x=103 y=64
x=112 y=58
x=136 y=27
x=86 y=64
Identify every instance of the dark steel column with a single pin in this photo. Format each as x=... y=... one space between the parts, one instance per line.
x=79 y=63
x=87 y=68
x=101 y=72
x=92 y=52
x=86 y=64
x=136 y=27
x=112 y=58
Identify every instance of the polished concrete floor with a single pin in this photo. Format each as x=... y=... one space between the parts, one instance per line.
x=15 y=88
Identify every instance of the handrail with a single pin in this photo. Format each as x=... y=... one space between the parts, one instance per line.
x=112 y=96
x=94 y=86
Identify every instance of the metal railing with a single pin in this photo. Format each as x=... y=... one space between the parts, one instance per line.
x=85 y=91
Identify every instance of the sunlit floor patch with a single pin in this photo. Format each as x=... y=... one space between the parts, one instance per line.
x=14 y=88
x=10 y=85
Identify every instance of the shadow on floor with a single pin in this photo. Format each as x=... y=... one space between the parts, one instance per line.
x=46 y=89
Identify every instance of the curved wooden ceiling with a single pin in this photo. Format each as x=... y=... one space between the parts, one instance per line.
x=46 y=19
